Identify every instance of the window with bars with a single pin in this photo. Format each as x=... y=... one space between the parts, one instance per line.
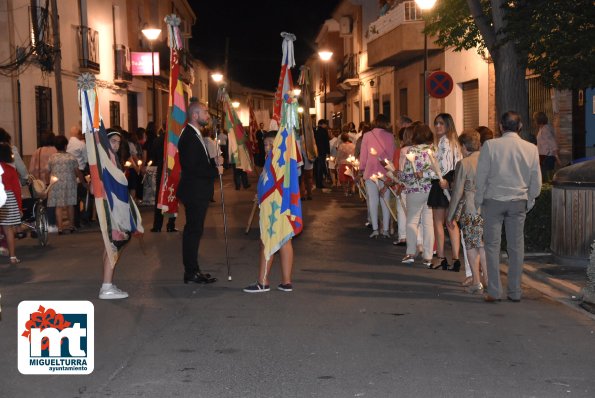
x=43 y=111
x=114 y=113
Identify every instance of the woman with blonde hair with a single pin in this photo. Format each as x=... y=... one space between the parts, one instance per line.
x=447 y=155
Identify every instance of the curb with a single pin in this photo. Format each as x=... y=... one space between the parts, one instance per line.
x=564 y=292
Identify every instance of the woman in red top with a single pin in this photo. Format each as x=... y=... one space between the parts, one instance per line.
x=10 y=213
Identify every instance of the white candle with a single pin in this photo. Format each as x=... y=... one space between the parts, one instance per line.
x=411 y=157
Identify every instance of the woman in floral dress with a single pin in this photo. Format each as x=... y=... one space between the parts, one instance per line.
x=64 y=166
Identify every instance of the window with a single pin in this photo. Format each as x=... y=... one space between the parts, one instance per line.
x=43 y=111
x=367 y=113
x=386 y=106
x=403 y=101
x=132 y=112
x=376 y=107
x=470 y=105
x=114 y=113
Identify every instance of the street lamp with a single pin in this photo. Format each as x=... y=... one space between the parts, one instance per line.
x=218 y=79
x=152 y=34
x=425 y=5
x=325 y=56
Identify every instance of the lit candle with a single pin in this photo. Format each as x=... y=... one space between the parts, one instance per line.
x=411 y=157
x=150 y=163
x=140 y=162
x=127 y=164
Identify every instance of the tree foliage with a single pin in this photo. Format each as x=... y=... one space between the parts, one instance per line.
x=553 y=38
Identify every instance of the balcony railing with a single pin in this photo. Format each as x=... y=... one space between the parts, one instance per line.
x=404 y=12
x=349 y=68
x=122 y=74
x=88 y=49
x=41 y=37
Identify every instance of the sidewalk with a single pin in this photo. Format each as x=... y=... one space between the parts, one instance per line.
x=562 y=283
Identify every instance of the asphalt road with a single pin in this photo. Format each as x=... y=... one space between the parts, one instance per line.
x=358 y=324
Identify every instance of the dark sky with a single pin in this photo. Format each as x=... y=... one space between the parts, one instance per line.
x=254 y=29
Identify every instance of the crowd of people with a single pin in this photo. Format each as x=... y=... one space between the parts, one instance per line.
x=438 y=181
x=430 y=182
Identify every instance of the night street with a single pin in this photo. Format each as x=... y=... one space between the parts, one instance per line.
x=358 y=323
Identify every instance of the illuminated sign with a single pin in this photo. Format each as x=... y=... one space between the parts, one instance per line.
x=141 y=63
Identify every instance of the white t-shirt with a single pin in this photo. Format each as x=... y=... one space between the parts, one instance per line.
x=78 y=149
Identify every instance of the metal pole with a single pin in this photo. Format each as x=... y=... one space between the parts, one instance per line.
x=426 y=95
x=153 y=79
x=223 y=208
x=325 y=73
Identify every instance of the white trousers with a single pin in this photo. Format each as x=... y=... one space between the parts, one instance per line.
x=373 y=191
x=418 y=213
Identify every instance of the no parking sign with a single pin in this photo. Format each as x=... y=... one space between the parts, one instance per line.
x=439 y=84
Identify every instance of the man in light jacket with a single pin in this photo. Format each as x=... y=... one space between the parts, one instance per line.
x=508 y=181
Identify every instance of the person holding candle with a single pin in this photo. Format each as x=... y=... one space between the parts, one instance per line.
x=447 y=156
x=345 y=149
x=377 y=145
x=417 y=175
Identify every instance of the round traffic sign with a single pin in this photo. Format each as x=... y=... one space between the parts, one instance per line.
x=439 y=84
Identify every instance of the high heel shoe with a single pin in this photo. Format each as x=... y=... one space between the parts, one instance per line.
x=374 y=234
x=456 y=266
x=475 y=289
x=441 y=264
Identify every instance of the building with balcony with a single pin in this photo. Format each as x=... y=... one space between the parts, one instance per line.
x=95 y=36
x=377 y=67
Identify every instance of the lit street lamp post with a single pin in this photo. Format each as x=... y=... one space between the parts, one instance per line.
x=218 y=79
x=325 y=56
x=425 y=5
x=152 y=34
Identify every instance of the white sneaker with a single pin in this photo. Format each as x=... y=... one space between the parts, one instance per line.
x=52 y=229
x=112 y=293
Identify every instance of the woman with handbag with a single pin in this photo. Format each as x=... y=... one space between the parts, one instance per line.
x=62 y=196
x=38 y=167
x=447 y=156
x=10 y=213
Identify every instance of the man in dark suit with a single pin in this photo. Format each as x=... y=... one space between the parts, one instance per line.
x=324 y=149
x=195 y=189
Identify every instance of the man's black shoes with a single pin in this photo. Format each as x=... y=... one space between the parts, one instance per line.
x=199 y=278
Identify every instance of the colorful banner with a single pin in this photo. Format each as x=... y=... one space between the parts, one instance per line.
x=237 y=139
x=117 y=213
x=285 y=80
x=278 y=186
x=176 y=121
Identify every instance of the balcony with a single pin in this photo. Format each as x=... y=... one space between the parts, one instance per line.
x=122 y=73
x=186 y=67
x=347 y=73
x=88 y=49
x=42 y=38
x=396 y=38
